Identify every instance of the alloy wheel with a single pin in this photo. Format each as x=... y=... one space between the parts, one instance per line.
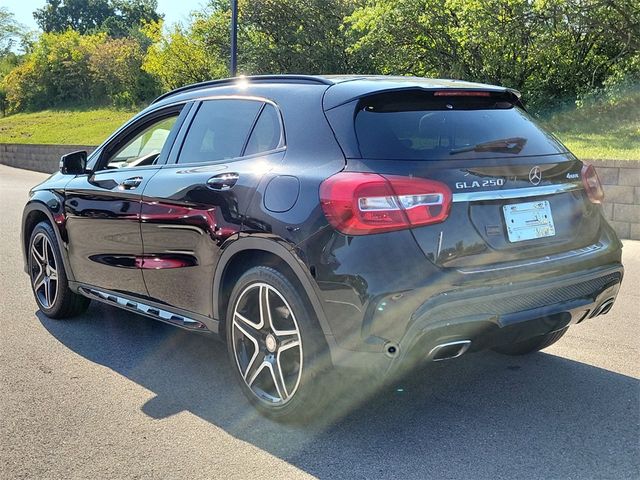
x=44 y=273
x=267 y=344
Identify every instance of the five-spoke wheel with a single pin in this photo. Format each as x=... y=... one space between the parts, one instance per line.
x=48 y=276
x=267 y=344
x=276 y=347
x=44 y=272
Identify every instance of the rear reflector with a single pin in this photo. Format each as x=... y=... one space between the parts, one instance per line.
x=461 y=93
x=592 y=184
x=366 y=203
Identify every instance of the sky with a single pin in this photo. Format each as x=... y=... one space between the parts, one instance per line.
x=173 y=10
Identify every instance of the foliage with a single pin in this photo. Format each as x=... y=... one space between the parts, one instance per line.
x=275 y=36
x=8 y=62
x=186 y=55
x=554 y=51
x=11 y=32
x=56 y=72
x=559 y=53
x=551 y=50
x=115 y=69
x=73 y=69
x=117 y=18
x=300 y=36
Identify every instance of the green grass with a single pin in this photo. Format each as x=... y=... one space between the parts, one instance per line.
x=621 y=144
x=599 y=131
x=72 y=127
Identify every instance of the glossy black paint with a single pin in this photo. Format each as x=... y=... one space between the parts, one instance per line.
x=104 y=219
x=181 y=212
x=176 y=236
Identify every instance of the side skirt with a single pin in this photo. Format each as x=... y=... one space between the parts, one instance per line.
x=173 y=316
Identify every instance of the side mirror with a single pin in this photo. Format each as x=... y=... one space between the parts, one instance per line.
x=74 y=163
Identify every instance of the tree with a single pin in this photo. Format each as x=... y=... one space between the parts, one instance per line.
x=551 y=50
x=114 y=17
x=275 y=36
x=11 y=32
x=56 y=72
x=186 y=54
x=304 y=36
x=115 y=69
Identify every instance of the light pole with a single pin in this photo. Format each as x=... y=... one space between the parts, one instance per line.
x=234 y=38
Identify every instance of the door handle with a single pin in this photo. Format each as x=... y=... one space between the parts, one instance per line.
x=130 y=183
x=223 y=181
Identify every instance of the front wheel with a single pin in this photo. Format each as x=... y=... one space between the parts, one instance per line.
x=275 y=344
x=49 y=278
x=533 y=344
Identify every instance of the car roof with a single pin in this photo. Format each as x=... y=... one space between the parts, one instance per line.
x=340 y=89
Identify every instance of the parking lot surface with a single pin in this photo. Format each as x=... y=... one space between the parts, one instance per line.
x=115 y=395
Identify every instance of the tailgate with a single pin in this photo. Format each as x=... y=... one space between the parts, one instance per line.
x=502 y=210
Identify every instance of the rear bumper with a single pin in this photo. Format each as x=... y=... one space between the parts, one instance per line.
x=496 y=315
x=492 y=316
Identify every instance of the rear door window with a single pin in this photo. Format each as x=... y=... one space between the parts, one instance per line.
x=426 y=126
x=219 y=130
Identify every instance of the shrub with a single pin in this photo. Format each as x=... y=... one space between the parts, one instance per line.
x=70 y=69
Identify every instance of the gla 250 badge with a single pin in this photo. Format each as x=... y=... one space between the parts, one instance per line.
x=492 y=182
x=535 y=177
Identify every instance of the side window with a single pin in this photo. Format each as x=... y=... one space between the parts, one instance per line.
x=219 y=130
x=145 y=147
x=266 y=134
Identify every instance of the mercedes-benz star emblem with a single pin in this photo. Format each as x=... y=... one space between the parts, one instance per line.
x=535 y=175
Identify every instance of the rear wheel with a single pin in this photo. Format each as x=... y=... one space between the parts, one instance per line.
x=275 y=344
x=533 y=344
x=48 y=277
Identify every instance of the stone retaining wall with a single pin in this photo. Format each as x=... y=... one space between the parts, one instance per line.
x=621 y=180
x=41 y=158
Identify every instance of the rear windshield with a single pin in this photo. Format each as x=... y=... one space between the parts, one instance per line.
x=447 y=126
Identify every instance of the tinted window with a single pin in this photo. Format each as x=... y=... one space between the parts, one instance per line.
x=266 y=133
x=145 y=147
x=219 y=130
x=421 y=126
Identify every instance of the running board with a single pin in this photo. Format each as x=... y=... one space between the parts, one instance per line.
x=136 y=306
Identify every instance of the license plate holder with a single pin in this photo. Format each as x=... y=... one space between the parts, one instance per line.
x=528 y=221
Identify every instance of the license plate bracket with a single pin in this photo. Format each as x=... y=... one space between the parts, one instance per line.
x=528 y=221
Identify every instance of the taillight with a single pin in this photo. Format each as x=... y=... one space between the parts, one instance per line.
x=364 y=203
x=592 y=184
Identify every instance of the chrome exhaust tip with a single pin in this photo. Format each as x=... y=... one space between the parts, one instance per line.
x=605 y=307
x=447 y=351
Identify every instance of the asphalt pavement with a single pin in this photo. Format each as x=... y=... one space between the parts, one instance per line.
x=115 y=395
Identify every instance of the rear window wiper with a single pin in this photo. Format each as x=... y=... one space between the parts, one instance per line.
x=503 y=145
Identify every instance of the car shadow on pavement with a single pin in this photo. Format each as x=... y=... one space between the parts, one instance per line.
x=483 y=415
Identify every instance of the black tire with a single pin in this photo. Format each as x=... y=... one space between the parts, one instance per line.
x=534 y=344
x=48 y=277
x=288 y=306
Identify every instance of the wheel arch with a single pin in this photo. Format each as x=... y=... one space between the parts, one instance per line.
x=44 y=206
x=249 y=251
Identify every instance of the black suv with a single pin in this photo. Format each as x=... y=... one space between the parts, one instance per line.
x=321 y=221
